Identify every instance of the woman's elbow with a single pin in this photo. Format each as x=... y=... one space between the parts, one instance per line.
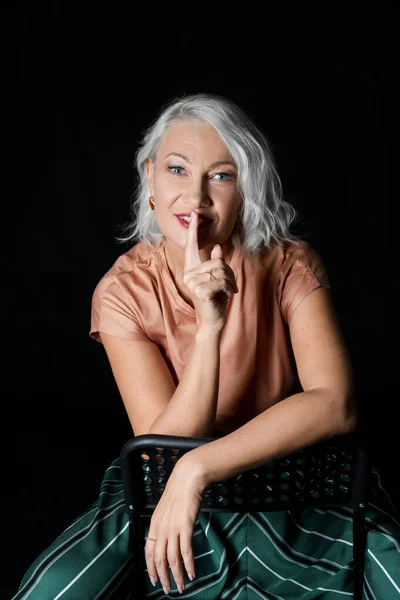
x=348 y=414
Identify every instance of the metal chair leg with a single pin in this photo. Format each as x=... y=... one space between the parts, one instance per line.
x=359 y=542
x=138 y=579
x=359 y=503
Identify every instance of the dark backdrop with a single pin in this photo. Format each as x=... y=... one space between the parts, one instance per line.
x=81 y=88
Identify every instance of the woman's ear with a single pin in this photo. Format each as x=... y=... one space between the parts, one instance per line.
x=149 y=173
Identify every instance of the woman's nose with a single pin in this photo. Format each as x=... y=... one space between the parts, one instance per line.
x=196 y=195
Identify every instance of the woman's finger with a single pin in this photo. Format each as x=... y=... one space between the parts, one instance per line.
x=149 y=554
x=216 y=252
x=175 y=561
x=161 y=563
x=209 y=289
x=192 y=256
x=192 y=280
x=215 y=265
x=185 y=538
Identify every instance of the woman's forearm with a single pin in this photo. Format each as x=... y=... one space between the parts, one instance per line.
x=296 y=422
x=193 y=406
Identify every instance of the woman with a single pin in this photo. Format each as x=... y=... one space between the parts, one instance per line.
x=219 y=322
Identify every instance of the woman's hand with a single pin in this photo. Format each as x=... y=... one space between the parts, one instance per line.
x=210 y=283
x=172 y=526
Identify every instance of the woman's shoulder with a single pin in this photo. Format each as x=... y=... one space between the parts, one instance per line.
x=280 y=254
x=140 y=260
x=302 y=254
x=141 y=255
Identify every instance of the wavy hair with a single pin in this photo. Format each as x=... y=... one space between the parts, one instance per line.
x=264 y=215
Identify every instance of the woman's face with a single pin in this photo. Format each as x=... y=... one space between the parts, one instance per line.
x=194 y=170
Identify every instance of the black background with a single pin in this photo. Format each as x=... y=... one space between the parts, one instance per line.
x=81 y=87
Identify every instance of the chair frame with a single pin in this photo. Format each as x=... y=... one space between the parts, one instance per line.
x=343 y=457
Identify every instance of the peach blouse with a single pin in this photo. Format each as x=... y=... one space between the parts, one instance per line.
x=138 y=300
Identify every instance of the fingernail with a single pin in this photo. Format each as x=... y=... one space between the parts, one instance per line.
x=180 y=588
x=166 y=589
x=191 y=577
x=153 y=581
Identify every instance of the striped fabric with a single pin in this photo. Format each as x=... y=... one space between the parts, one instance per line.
x=287 y=555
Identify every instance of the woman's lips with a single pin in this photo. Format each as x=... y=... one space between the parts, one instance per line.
x=202 y=223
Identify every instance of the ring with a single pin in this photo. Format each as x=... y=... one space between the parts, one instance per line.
x=151 y=539
x=211 y=275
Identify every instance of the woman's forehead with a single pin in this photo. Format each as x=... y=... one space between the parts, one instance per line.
x=193 y=139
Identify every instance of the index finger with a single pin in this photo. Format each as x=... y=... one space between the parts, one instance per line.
x=192 y=256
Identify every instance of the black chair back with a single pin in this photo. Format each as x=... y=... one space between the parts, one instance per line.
x=331 y=473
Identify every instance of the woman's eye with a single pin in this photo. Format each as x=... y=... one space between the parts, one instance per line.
x=177 y=170
x=222 y=176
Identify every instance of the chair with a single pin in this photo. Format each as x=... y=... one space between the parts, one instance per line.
x=334 y=472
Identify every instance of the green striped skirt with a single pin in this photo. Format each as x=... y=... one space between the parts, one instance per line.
x=286 y=555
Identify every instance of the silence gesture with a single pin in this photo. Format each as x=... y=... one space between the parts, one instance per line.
x=210 y=283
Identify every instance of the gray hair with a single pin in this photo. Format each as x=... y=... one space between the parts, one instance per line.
x=263 y=217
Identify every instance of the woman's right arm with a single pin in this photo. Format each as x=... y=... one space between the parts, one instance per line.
x=152 y=401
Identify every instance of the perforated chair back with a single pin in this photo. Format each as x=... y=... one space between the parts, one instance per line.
x=330 y=473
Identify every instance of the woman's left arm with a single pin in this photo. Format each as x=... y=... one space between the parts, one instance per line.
x=326 y=408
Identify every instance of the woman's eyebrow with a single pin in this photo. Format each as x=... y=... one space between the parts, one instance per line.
x=214 y=164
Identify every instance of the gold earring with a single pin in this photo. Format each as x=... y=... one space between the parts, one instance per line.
x=151 y=202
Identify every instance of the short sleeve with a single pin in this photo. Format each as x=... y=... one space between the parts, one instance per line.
x=302 y=271
x=112 y=313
